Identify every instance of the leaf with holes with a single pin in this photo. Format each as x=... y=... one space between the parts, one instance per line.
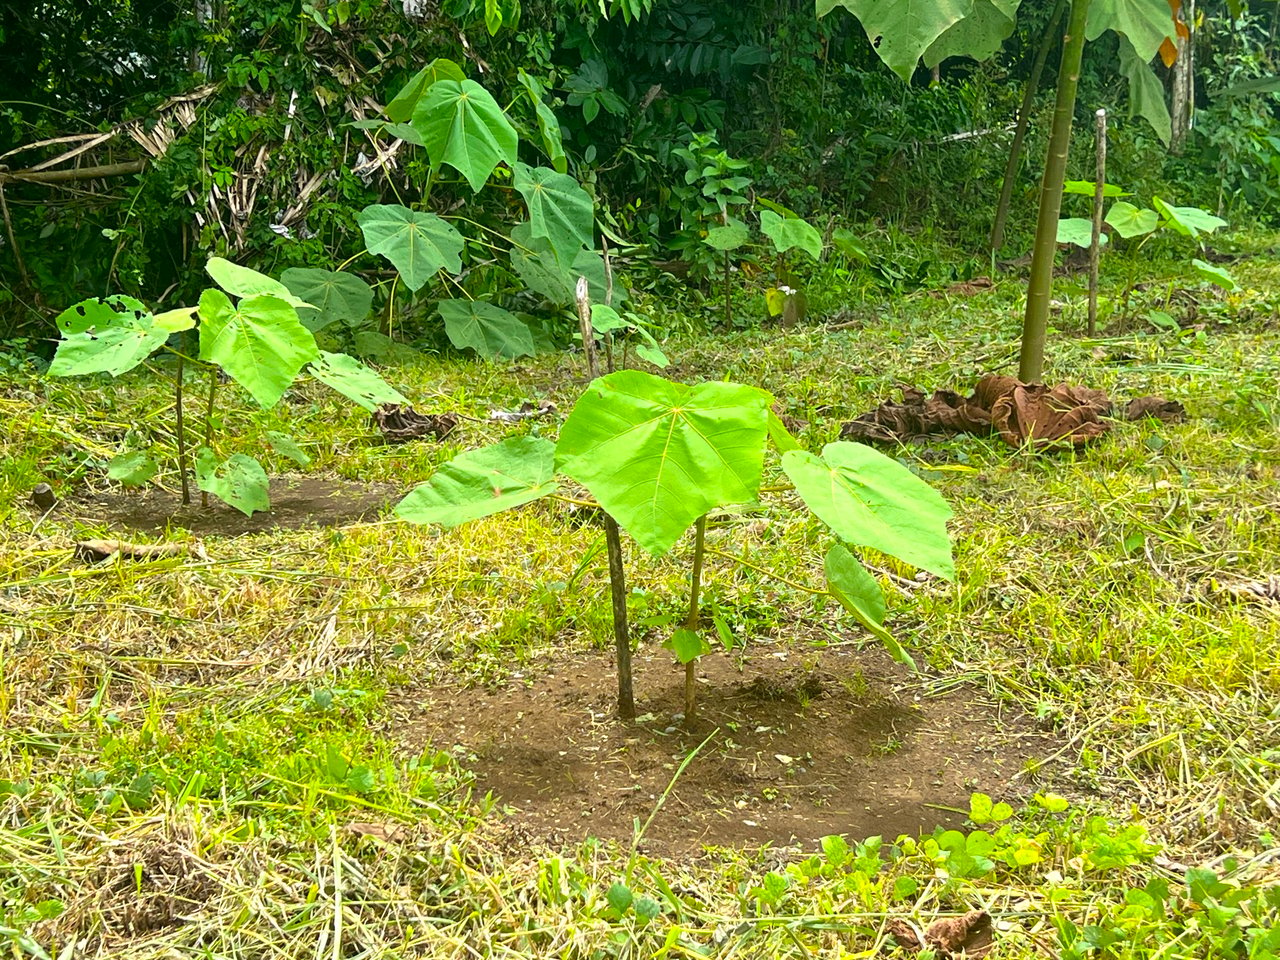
x=99 y=338
x=244 y=282
x=99 y=312
x=483 y=482
x=1188 y=221
x=902 y=30
x=132 y=469
x=334 y=296
x=351 y=378
x=859 y=593
x=239 y=481
x=560 y=211
x=658 y=455
x=870 y=500
x=259 y=342
x=402 y=105
x=787 y=233
x=462 y=125
x=486 y=328
x=418 y=244
x=1130 y=221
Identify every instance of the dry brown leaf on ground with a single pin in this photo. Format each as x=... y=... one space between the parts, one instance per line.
x=92 y=551
x=1266 y=590
x=400 y=423
x=1043 y=415
x=951 y=938
x=1167 y=411
x=388 y=832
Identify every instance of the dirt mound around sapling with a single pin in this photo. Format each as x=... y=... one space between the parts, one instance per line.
x=806 y=743
x=296 y=502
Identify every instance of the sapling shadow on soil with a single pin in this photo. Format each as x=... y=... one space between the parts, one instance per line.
x=659 y=456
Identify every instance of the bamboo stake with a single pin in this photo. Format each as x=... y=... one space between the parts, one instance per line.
x=1095 y=244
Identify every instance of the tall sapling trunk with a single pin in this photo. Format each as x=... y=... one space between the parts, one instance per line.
x=694 y=619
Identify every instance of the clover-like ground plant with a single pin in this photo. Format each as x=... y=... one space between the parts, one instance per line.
x=660 y=456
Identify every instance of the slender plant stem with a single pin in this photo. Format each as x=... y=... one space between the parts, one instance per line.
x=1020 y=131
x=1095 y=243
x=613 y=536
x=693 y=620
x=1036 y=320
x=208 y=423
x=181 y=428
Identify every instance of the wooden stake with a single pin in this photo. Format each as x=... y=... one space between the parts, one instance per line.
x=1095 y=245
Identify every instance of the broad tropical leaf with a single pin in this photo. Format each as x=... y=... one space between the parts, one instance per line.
x=105 y=335
x=1145 y=22
x=902 y=30
x=860 y=594
x=545 y=273
x=605 y=319
x=245 y=282
x=417 y=243
x=334 y=296
x=402 y=105
x=787 y=233
x=548 y=124
x=351 y=378
x=1086 y=188
x=483 y=482
x=978 y=36
x=1146 y=92
x=259 y=342
x=658 y=455
x=462 y=125
x=485 y=328
x=132 y=469
x=728 y=237
x=560 y=211
x=1188 y=221
x=239 y=481
x=1214 y=274
x=870 y=500
x=1130 y=221
x=1079 y=231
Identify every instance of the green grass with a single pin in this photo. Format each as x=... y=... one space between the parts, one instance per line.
x=186 y=743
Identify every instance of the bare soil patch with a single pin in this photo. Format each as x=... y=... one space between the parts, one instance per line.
x=296 y=502
x=807 y=743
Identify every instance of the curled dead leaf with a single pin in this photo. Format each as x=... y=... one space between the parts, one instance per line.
x=950 y=938
x=93 y=551
x=400 y=423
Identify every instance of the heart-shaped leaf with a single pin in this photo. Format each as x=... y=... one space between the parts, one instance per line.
x=658 y=455
x=870 y=500
x=259 y=342
x=902 y=30
x=417 y=243
x=105 y=335
x=334 y=296
x=787 y=233
x=1130 y=221
x=485 y=328
x=462 y=125
x=483 y=482
x=978 y=36
x=351 y=378
x=402 y=105
x=1188 y=221
x=860 y=594
x=132 y=469
x=245 y=282
x=559 y=209
x=238 y=481
x=687 y=645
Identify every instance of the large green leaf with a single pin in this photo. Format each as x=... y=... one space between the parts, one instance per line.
x=417 y=243
x=870 y=500
x=1130 y=221
x=788 y=232
x=1078 y=230
x=730 y=236
x=1087 y=188
x=351 y=378
x=334 y=296
x=978 y=36
x=548 y=124
x=238 y=481
x=1214 y=274
x=402 y=105
x=1146 y=92
x=486 y=328
x=132 y=469
x=1188 y=221
x=1145 y=22
x=902 y=30
x=860 y=594
x=259 y=342
x=462 y=125
x=109 y=335
x=560 y=211
x=483 y=482
x=658 y=455
x=245 y=282
x=545 y=273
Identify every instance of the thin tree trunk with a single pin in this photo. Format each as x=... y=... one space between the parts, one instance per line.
x=1036 y=321
x=1183 y=82
x=1095 y=246
x=1020 y=131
